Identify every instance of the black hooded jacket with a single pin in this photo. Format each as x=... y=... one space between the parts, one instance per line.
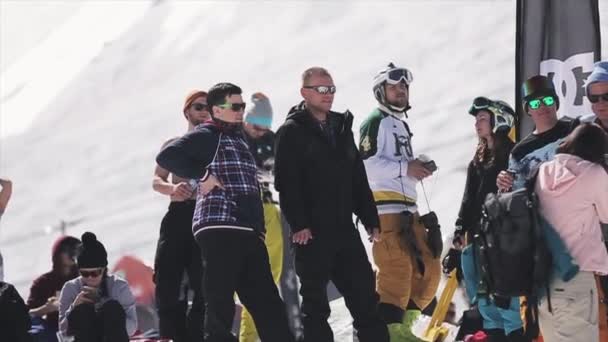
x=320 y=175
x=481 y=181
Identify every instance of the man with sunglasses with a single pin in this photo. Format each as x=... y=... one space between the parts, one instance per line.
x=228 y=223
x=597 y=93
x=96 y=306
x=322 y=182
x=541 y=102
x=178 y=257
x=408 y=273
x=43 y=302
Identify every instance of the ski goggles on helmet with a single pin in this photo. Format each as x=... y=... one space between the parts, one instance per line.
x=480 y=103
x=548 y=101
x=596 y=98
x=503 y=117
x=394 y=76
x=323 y=90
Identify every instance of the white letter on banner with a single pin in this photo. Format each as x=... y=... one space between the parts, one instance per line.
x=564 y=74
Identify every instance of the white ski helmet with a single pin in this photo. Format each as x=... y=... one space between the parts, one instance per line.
x=391 y=74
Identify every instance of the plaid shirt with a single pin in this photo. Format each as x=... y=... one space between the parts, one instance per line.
x=234 y=206
x=212 y=149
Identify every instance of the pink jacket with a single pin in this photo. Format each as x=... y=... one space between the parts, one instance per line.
x=573 y=197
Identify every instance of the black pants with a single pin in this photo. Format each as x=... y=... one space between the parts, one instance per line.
x=108 y=324
x=344 y=261
x=238 y=261
x=177 y=254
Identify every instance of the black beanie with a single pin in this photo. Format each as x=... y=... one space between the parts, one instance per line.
x=92 y=253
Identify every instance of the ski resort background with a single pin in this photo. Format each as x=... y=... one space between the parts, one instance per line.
x=85 y=101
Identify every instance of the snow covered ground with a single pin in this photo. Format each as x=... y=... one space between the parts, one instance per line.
x=90 y=90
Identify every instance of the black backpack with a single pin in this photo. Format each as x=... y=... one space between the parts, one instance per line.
x=514 y=257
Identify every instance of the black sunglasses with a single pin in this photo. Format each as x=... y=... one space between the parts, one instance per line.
x=90 y=274
x=322 y=89
x=234 y=106
x=199 y=107
x=596 y=98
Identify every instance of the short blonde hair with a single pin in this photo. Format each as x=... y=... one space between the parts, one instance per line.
x=314 y=71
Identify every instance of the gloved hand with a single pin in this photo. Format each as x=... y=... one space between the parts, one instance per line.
x=458 y=241
x=452 y=261
x=433 y=229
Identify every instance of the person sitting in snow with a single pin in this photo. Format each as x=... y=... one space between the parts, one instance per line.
x=43 y=301
x=96 y=306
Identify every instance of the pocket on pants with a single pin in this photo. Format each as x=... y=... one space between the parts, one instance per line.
x=387 y=249
x=569 y=303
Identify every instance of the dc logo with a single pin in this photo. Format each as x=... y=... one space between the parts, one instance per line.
x=569 y=80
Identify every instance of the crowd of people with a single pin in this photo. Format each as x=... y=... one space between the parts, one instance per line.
x=222 y=236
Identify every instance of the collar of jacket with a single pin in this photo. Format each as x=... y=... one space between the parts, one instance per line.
x=224 y=127
x=301 y=114
x=398 y=115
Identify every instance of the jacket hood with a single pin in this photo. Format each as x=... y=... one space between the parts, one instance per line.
x=559 y=175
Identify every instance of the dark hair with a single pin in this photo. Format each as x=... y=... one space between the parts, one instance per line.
x=497 y=155
x=218 y=93
x=103 y=287
x=587 y=141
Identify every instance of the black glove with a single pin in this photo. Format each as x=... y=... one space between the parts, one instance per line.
x=452 y=261
x=433 y=229
x=459 y=237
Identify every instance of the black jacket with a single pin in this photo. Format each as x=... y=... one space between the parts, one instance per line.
x=320 y=175
x=481 y=181
x=262 y=150
x=14 y=317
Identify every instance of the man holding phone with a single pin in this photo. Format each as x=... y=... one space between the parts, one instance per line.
x=408 y=265
x=96 y=306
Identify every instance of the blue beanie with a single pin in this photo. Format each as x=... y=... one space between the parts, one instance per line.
x=261 y=112
x=599 y=74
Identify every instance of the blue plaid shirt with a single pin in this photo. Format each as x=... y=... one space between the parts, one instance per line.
x=226 y=155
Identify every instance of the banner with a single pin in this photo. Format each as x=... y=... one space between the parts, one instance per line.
x=559 y=39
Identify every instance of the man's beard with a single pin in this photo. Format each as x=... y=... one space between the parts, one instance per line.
x=400 y=102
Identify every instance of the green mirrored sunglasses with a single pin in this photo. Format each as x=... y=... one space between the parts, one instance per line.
x=547 y=101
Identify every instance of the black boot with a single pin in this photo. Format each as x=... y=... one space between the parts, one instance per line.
x=496 y=335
